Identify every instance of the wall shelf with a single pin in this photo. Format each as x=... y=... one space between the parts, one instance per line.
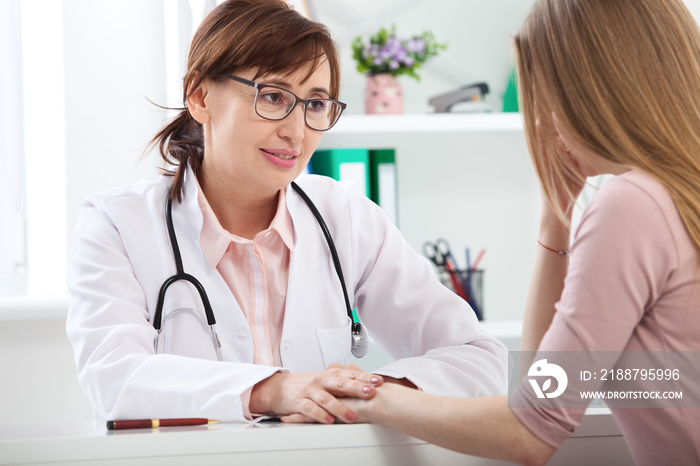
x=427 y=123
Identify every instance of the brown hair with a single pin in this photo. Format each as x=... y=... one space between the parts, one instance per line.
x=266 y=35
x=624 y=78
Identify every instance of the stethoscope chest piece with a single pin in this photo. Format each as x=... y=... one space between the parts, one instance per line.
x=360 y=340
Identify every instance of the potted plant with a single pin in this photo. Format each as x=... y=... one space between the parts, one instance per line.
x=384 y=57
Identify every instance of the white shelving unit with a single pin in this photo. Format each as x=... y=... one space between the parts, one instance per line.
x=427 y=123
x=466 y=178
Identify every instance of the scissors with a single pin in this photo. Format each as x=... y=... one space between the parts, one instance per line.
x=440 y=254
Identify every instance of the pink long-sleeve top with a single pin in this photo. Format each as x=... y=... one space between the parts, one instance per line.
x=633 y=284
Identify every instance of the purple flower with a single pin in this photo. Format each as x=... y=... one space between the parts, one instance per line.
x=393 y=44
x=415 y=45
x=389 y=54
x=372 y=51
x=385 y=52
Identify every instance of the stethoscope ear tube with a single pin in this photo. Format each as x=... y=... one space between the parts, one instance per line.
x=181 y=275
x=360 y=339
x=331 y=244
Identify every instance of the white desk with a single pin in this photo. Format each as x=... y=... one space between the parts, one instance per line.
x=598 y=441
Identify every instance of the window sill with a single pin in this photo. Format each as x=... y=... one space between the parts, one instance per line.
x=26 y=307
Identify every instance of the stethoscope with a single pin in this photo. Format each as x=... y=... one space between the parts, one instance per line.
x=359 y=337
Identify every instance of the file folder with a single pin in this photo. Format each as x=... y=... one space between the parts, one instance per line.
x=343 y=165
x=383 y=182
x=510 y=98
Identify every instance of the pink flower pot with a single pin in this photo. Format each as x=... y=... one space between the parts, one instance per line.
x=383 y=94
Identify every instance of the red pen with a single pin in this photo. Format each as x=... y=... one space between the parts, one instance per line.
x=478 y=259
x=156 y=423
x=456 y=279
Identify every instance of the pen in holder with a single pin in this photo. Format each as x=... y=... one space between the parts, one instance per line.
x=467 y=284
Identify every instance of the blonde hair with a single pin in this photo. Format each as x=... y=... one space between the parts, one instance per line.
x=624 y=78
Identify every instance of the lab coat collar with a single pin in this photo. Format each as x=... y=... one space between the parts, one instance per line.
x=189 y=203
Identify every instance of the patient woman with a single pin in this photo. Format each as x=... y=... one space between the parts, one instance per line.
x=607 y=86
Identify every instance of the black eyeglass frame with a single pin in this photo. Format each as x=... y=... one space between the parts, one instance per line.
x=297 y=99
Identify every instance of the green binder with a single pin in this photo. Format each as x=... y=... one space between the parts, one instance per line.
x=383 y=182
x=510 y=99
x=344 y=164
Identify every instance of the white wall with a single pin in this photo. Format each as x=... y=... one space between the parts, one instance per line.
x=12 y=180
x=114 y=63
x=45 y=136
x=39 y=378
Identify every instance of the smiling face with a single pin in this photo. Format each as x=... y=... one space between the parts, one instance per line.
x=244 y=154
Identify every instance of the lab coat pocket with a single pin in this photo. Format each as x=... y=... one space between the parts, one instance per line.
x=335 y=344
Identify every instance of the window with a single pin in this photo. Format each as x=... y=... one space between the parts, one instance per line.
x=12 y=177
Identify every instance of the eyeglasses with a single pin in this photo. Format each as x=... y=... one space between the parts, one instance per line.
x=275 y=103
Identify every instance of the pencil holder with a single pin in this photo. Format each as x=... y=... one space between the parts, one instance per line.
x=467 y=284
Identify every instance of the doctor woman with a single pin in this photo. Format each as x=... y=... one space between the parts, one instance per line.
x=260 y=90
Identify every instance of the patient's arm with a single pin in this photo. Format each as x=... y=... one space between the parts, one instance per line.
x=477 y=426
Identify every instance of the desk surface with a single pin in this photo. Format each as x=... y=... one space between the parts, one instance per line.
x=598 y=440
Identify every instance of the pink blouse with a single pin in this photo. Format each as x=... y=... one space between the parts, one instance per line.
x=256 y=271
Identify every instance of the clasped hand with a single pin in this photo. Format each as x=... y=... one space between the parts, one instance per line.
x=314 y=397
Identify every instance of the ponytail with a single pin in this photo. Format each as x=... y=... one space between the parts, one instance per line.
x=180 y=143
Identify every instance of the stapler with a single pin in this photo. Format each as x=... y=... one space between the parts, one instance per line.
x=472 y=92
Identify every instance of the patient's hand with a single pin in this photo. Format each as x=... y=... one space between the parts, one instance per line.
x=362 y=407
x=371 y=410
x=326 y=390
x=388 y=401
x=315 y=396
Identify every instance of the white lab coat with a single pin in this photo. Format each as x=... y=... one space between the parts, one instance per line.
x=121 y=255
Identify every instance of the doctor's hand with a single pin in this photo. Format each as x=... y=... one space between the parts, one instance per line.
x=313 y=397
